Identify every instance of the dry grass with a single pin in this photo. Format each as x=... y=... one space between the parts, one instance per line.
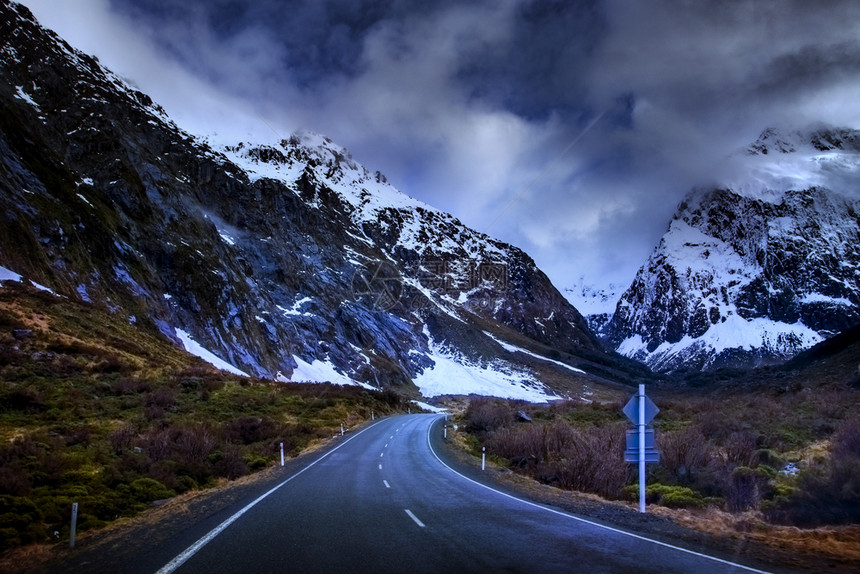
x=838 y=543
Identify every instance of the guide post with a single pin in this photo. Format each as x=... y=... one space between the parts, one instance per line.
x=641 y=446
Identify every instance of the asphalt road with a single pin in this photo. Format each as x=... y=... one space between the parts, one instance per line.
x=383 y=501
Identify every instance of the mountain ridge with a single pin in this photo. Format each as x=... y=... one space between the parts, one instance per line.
x=282 y=259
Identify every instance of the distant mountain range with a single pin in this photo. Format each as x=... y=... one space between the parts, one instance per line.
x=289 y=260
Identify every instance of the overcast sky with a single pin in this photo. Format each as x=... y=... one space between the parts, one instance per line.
x=570 y=129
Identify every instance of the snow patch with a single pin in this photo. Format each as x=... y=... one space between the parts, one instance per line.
x=514 y=349
x=819 y=298
x=296 y=308
x=429 y=407
x=9 y=275
x=198 y=350
x=22 y=95
x=454 y=375
x=734 y=333
x=319 y=371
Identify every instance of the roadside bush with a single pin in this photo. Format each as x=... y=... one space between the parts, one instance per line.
x=684 y=454
x=829 y=495
x=149 y=490
x=588 y=460
x=487 y=415
x=747 y=486
x=669 y=495
x=20 y=522
x=230 y=463
x=249 y=430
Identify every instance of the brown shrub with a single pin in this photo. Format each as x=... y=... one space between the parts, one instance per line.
x=684 y=454
x=230 y=463
x=588 y=460
x=740 y=449
x=485 y=414
x=121 y=438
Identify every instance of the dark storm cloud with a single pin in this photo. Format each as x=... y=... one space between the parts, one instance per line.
x=569 y=128
x=809 y=68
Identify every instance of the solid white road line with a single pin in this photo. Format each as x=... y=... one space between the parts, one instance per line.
x=415 y=518
x=571 y=516
x=183 y=557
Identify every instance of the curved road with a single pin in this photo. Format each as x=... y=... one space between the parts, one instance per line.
x=383 y=501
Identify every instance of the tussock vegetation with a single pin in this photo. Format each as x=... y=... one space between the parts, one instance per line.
x=791 y=456
x=96 y=410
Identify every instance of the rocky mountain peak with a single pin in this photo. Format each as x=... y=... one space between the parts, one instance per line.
x=820 y=138
x=743 y=281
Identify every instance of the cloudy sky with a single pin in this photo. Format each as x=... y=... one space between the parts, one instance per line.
x=571 y=129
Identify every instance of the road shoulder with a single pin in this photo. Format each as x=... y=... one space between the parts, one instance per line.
x=738 y=547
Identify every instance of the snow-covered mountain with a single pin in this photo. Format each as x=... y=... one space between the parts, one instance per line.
x=754 y=273
x=288 y=260
x=597 y=304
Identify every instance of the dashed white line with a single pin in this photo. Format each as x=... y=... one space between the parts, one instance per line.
x=415 y=518
x=381 y=454
x=385 y=482
x=380 y=467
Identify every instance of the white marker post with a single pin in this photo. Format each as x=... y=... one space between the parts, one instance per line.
x=341 y=429
x=483 y=457
x=74 y=525
x=282 y=454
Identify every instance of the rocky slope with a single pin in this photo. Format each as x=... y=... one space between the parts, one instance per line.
x=753 y=274
x=288 y=261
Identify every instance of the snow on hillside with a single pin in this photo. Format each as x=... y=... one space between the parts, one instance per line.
x=198 y=350
x=453 y=374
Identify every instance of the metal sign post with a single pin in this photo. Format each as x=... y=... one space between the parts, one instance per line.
x=641 y=446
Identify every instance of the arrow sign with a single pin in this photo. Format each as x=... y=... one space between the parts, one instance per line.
x=631 y=409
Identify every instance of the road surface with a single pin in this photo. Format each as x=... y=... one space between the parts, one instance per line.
x=383 y=501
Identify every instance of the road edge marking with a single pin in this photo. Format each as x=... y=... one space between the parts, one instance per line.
x=584 y=520
x=186 y=554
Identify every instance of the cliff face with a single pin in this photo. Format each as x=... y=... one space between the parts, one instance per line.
x=287 y=260
x=741 y=281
